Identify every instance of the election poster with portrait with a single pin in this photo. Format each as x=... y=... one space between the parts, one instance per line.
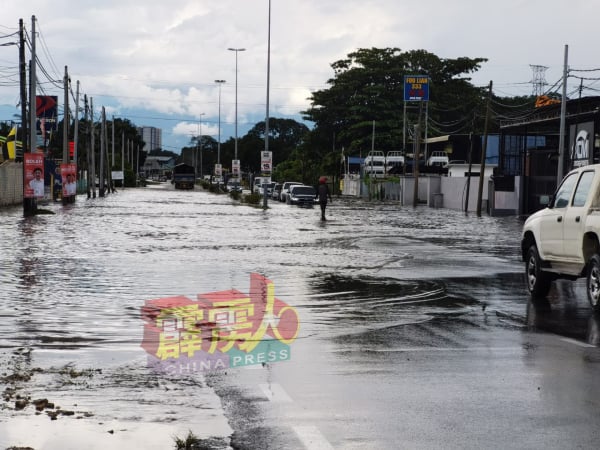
x=68 y=173
x=33 y=187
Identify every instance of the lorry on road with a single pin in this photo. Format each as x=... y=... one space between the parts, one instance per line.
x=184 y=176
x=259 y=182
x=562 y=241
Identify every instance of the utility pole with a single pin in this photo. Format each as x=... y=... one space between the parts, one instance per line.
x=102 y=150
x=200 y=143
x=112 y=126
x=65 y=155
x=484 y=152
x=123 y=157
x=29 y=204
x=372 y=175
x=66 y=119
x=563 y=115
x=108 y=172
x=404 y=141
x=76 y=130
x=88 y=153
x=469 y=161
x=93 y=150
x=23 y=85
x=32 y=91
x=416 y=157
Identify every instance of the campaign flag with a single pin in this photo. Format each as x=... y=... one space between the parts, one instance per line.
x=11 y=144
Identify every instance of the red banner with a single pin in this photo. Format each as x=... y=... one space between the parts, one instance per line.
x=33 y=187
x=68 y=173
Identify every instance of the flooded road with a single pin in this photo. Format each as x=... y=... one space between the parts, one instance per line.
x=406 y=317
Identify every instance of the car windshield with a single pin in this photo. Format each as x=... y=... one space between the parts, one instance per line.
x=303 y=190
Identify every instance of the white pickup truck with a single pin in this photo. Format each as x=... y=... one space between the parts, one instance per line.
x=562 y=240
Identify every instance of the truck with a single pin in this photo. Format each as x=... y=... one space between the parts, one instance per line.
x=184 y=176
x=258 y=183
x=562 y=241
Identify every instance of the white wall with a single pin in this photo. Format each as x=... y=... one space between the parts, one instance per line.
x=454 y=190
x=11 y=183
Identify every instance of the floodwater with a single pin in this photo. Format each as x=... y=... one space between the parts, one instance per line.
x=73 y=284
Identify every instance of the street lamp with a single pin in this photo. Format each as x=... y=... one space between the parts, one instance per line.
x=199 y=145
x=220 y=83
x=268 y=88
x=236 y=50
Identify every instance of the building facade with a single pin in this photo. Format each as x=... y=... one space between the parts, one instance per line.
x=530 y=148
x=152 y=138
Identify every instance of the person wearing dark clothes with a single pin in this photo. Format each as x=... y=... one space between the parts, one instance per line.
x=323 y=194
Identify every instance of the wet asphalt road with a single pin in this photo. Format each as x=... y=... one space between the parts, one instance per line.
x=415 y=329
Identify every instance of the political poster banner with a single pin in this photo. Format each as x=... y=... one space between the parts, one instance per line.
x=33 y=186
x=68 y=173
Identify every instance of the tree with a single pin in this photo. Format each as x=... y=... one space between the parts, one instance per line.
x=205 y=158
x=368 y=86
x=159 y=152
x=285 y=136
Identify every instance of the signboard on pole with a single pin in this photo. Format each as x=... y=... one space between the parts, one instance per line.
x=416 y=88
x=46 y=112
x=581 y=142
x=218 y=170
x=235 y=167
x=33 y=186
x=266 y=162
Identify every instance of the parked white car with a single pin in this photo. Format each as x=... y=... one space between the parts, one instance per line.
x=563 y=239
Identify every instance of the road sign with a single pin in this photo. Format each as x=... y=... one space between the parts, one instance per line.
x=218 y=170
x=235 y=167
x=416 y=88
x=266 y=161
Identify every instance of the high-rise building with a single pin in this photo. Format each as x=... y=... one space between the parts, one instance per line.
x=152 y=138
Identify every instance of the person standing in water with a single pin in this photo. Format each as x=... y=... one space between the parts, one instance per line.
x=323 y=194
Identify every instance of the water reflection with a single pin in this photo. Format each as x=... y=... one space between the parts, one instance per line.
x=74 y=282
x=570 y=319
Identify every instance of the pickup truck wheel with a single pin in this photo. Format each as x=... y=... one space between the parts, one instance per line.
x=538 y=282
x=593 y=282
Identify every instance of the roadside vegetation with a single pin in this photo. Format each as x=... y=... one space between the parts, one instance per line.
x=362 y=106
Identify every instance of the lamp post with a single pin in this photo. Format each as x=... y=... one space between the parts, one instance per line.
x=268 y=87
x=199 y=145
x=236 y=50
x=220 y=83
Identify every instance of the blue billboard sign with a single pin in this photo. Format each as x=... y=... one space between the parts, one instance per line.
x=416 y=88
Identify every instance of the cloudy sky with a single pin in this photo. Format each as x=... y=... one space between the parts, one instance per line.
x=155 y=62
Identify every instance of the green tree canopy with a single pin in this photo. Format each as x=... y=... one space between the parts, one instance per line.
x=285 y=136
x=368 y=86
